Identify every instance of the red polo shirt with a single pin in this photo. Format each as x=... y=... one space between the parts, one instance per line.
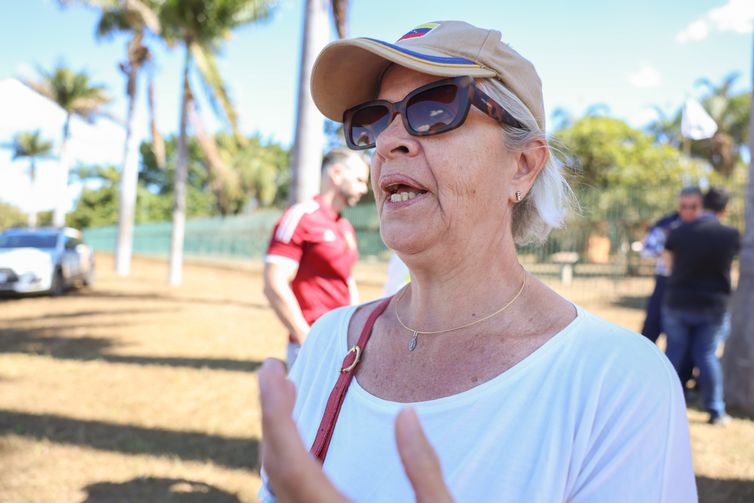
x=323 y=246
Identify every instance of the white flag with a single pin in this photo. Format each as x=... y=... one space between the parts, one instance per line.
x=696 y=122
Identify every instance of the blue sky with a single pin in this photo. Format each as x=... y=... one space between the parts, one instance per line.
x=629 y=55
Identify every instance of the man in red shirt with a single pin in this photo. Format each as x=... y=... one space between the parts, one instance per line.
x=313 y=249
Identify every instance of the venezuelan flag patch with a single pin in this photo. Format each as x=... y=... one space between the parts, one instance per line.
x=419 y=31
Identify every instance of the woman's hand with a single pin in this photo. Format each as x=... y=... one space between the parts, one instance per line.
x=296 y=476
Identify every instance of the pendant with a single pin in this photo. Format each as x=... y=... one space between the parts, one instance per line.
x=412 y=342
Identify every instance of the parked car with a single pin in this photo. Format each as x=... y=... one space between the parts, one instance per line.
x=46 y=260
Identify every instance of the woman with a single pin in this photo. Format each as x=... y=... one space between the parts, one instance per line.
x=522 y=395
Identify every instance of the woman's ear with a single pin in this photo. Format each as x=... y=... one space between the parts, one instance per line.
x=529 y=164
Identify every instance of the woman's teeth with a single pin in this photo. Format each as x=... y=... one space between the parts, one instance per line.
x=402 y=196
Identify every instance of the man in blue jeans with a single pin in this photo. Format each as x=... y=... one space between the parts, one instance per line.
x=689 y=207
x=700 y=254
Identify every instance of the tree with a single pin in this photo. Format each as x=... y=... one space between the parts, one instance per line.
x=199 y=26
x=667 y=128
x=10 y=216
x=309 y=135
x=134 y=17
x=262 y=168
x=96 y=207
x=738 y=361
x=30 y=145
x=731 y=113
x=76 y=95
x=633 y=175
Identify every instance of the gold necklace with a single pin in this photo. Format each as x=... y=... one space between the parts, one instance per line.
x=412 y=343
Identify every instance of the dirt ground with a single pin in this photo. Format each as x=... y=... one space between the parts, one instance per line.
x=135 y=391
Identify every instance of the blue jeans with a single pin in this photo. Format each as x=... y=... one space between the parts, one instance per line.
x=699 y=332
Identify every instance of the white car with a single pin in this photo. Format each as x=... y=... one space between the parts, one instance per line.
x=45 y=260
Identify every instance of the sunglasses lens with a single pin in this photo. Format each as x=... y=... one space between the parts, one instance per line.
x=434 y=110
x=366 y=123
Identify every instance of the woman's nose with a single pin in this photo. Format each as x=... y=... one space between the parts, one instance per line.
x=395 y=140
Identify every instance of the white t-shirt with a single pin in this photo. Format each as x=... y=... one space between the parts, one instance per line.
x=596 y=414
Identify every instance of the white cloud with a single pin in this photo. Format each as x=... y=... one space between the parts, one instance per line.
x=736 y=16
x=646 y=77
x=698 y=30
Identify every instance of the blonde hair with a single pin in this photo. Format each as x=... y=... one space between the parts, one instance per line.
x=546 y=205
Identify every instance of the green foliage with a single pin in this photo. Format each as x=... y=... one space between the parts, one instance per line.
x=10 y=216
x=73 y=91
x=607 y=153
x=730 y=112
x=206 y=21
x=618 y=170
x=96 y=207
x=263 y=170
x=29 y=144
x=201 y=26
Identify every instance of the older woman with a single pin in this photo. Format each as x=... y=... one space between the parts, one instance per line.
x=524 y=396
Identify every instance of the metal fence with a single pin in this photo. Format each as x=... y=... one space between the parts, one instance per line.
x=600 y=242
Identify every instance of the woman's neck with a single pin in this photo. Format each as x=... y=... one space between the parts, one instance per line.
x=457 y=288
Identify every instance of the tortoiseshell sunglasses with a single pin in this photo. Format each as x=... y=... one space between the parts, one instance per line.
x=432 y=109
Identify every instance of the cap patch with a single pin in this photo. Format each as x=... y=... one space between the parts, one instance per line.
x=446 y=61
x=419 y=31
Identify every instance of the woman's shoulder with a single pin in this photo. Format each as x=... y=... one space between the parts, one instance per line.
x=617 y=351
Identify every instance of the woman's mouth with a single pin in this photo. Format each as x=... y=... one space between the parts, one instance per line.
x=400 y=192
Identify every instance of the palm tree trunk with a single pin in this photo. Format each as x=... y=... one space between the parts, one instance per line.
x=158 y=144
x=310 y=138
x=225 y=182
x=33 y=178
x=61 y=206
x=128 y=181
x=181 y=175
x=738 y=361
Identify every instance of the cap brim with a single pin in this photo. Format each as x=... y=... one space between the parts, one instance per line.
x=347 y=72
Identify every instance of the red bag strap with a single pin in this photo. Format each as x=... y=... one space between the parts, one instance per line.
x=338 y=393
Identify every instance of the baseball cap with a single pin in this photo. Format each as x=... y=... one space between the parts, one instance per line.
x=348 y=72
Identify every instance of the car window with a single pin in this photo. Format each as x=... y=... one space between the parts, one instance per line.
x=28 y=240
x=71 y=243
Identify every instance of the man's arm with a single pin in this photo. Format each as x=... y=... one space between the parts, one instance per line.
x=667 y=256
x=353 y=291
x=277 y=289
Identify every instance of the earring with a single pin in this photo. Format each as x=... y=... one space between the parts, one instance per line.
x=519 y=196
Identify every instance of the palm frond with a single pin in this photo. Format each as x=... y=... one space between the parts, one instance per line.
x=216 y=88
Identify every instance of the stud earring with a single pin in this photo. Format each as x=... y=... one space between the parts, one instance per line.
x=519 y=196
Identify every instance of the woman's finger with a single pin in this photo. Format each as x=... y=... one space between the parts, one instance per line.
x=293 y=474
x=419 y=460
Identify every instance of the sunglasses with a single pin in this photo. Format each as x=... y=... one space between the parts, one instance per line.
x=432 y=109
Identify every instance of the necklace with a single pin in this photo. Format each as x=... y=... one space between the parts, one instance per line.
x=412 y=343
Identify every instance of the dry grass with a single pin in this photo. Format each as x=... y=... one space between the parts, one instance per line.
x=134 y=391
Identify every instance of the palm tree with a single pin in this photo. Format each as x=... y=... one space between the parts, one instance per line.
x=666 y=128
x=730 y=112
x=738 y=361
x=76 y=95
x=30 y=145
x=134 y=17
x=199 y=26
x=309 y=137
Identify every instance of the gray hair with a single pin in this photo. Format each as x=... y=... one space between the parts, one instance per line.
x=545 y=206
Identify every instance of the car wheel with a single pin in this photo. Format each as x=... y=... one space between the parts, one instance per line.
x=57 y=288
x=89 y=278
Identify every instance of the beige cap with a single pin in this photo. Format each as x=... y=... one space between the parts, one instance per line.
x=348 y=72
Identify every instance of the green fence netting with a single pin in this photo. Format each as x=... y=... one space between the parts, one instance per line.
x=600 y=240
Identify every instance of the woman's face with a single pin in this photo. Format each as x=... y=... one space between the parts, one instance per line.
x=457 y=183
